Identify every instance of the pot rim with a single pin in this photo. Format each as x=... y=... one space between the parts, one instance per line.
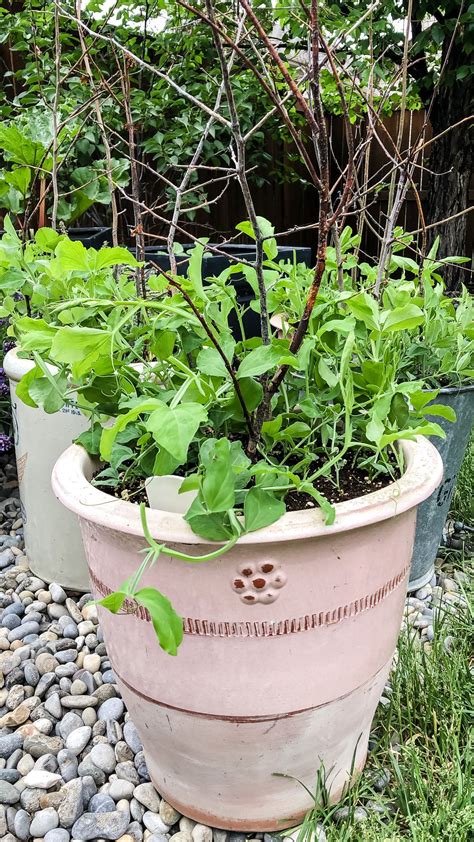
x=74 y=468
x=456 y=390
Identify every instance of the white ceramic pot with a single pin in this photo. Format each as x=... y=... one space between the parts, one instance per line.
x=52 y=535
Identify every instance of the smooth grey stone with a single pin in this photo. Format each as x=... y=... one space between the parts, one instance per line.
x=119 y=789
x=6 y=557
x=11 y=621
x=111 y=709
x=53 y=705
x=39 y=744
x=71 y=631
x=46 y=681
x=89 y=788
x=87 y=767
x=48 y=762
x=31 y=674
x=15 y=756
x=147 y=795
x=108 y=677
x=33 y=617
x=114 y=735
x=140 y=765
x=67 y=765
x=10 y=743
x=135 y=830
x=8 y=793
x=22 y=825
x=14 y=608
x=131 y=737
x=72 y=805
x=100 y=826
x=69 y=723
x=155 y=823
x=66 y=656
x=78 y=739
x=23 y=630
x=87 y=678
x=343 y=813
x=10 y=775
x=57 y=592
x=101 y=803
x=137 y=810
x=103 y=756
x=59 y=834
x=65 y=670
x=126 y=771
x=43 y=821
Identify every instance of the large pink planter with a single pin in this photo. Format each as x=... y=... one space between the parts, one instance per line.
x=288 y=643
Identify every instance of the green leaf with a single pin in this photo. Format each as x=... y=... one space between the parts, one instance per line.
x=209 y=361
x=175 y=428
x=47 y=238
x=90 y=440
x=327 y=375
x=267 y=230
x=214 y=526
x=34 y=334
x=167 y=623
x=323 y=503
x=441 y=410
x=82 y=347
x=71 y=256
x=49 y=392
x=403 y=318
x=23 y=387
x=218 y=485
x=19 y=179
x=109 y=434
x=113 y=602
x=364 y=307
x=116 y=256
x=261 y=508
x=263 y=359
x=195 y=269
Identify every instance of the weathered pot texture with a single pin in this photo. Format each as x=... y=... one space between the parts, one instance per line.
x=288 y=641
x=52 y=534
x=433 y=512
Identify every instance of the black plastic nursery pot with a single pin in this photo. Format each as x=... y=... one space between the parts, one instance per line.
x=91 y=237
x=214 y=264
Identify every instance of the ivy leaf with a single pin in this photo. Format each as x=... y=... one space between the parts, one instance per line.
x=174 y=428
x=90 y=440
x=364 y=307
x=23 y=387
x=167 y=623
x=209 y=361
x=261 y=508
x=441 y=410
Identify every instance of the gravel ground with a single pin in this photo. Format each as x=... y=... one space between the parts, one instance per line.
x=71 y=763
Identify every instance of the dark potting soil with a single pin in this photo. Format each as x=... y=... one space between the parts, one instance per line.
x=353 y=482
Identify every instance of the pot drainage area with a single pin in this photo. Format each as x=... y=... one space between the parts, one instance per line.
x=71 y=763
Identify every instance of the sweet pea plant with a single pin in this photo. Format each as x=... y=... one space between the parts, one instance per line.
x=192 y=401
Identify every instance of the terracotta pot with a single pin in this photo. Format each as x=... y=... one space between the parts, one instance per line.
x=52 y=535
x=287 y=647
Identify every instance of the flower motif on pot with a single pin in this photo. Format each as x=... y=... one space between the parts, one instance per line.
x=259 y=583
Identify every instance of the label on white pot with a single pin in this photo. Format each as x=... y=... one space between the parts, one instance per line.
x=163 y=494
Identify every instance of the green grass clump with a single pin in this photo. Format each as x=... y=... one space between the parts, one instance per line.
x=424 y=737
x=462 y=506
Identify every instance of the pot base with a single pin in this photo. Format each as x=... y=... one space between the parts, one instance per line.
x=253 y=777
x=421 y=581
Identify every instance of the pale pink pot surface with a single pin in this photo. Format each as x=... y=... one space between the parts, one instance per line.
x=278 y=683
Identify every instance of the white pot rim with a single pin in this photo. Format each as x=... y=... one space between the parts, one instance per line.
x=74 y=469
